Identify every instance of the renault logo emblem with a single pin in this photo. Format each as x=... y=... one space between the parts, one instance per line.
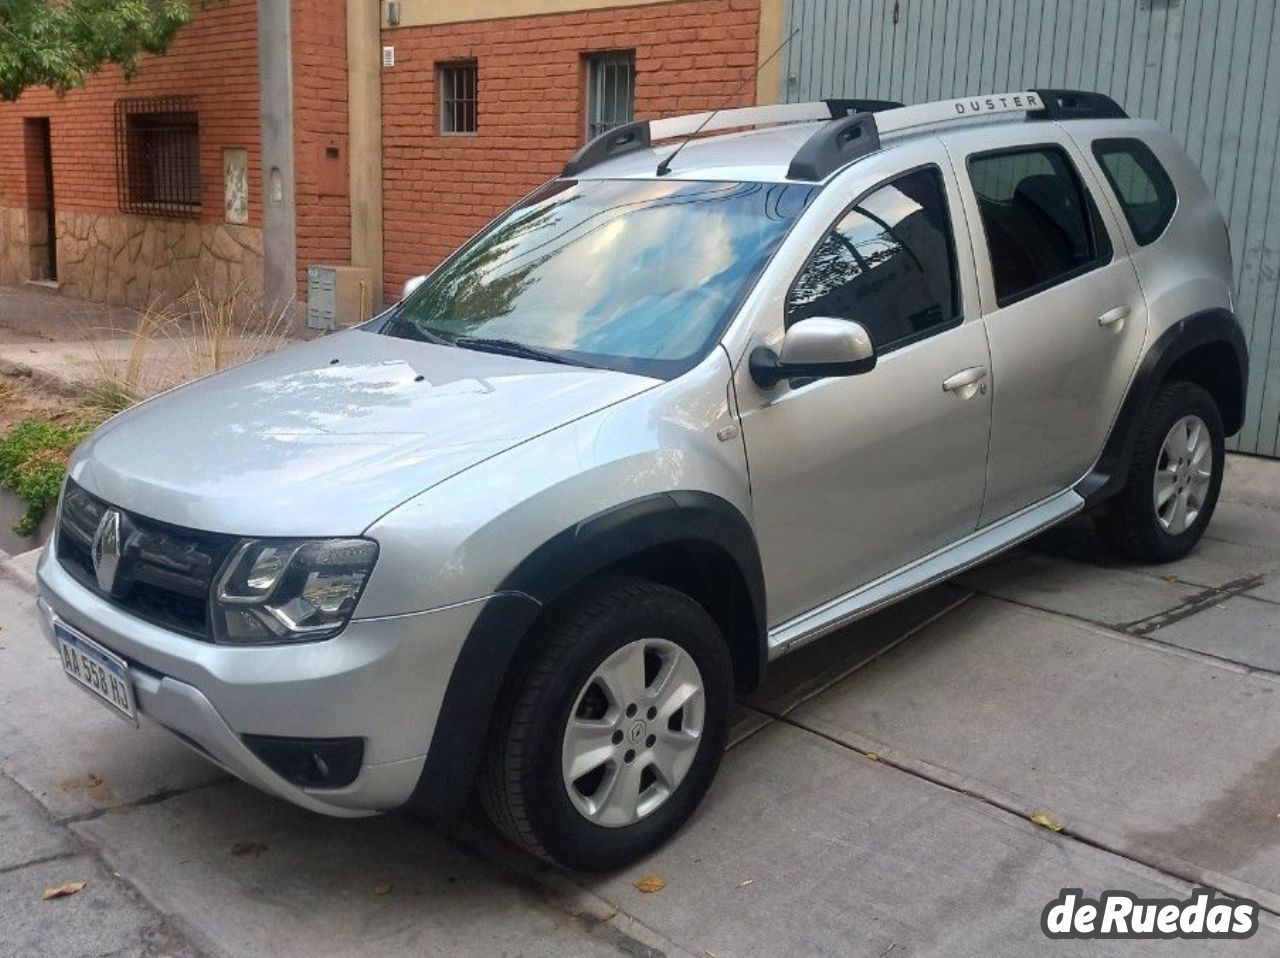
x=106 y=549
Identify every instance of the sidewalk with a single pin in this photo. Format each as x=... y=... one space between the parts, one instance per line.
x=876 y=800
x=65 y=344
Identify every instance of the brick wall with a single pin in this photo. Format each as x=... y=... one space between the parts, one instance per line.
x=320 y=129
x=438 y=190
x=215 y=58
x=104 y=254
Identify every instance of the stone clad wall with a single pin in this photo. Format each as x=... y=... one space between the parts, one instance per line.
x=23 y=255
x=140 y=261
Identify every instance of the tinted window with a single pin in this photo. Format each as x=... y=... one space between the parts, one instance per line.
x=1040 y=225
x=1144 y=189
x=634 y=275
x=888 y=264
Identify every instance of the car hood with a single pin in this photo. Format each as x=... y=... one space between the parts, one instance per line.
x=324 y=437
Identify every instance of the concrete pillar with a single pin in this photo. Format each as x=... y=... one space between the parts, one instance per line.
x=364 y=111
x=279 y=219
x=773 y=17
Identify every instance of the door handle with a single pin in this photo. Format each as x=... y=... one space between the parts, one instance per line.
x=966 y=383
x=1114 y=315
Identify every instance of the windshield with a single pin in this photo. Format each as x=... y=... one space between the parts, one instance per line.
x=635 y=275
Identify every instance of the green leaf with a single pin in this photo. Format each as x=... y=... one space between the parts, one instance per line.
x=58 y=44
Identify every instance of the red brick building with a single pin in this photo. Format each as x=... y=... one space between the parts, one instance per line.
x=273 y=137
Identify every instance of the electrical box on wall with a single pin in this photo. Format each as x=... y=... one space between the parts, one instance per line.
x=333 y=170
x=338 y=296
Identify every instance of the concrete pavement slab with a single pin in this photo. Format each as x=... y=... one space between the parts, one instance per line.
x=65 y=747
x=1213 y=563
x=1111 y=597
x=1269 y=591
x=807 y=671
x=1158 y=753
x=806 y=848
x=105 y=918
x=260 y=877
x=1239 y=628
x=1246 y=523
x=26 y=832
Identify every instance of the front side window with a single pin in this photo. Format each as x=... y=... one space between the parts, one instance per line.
x=888 y=263
x=1145 y=192
x=1041 y=226
x=634 y=275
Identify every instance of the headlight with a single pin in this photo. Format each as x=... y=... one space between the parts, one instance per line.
x=290 y=590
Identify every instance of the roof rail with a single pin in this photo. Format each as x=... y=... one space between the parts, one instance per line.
x=837 y=144
x=856 y=129
x=1078 y=105
x=834 y=146
x=644 y=133
x=619 y=141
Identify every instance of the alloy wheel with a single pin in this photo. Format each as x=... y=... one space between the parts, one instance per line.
x=1184 y=470
x=633 y=732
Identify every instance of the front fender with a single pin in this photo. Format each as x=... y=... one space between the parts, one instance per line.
x=485 y=661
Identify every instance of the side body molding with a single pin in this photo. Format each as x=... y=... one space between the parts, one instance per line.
x=1214 y=327
x=604 y=540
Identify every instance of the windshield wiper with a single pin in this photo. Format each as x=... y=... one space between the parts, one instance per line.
x=398 y=326
x=507 y=347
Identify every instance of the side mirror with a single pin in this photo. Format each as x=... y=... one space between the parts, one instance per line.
x=411 y=285
x=815 y=348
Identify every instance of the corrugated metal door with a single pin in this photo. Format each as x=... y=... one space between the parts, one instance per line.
x=1209 y=70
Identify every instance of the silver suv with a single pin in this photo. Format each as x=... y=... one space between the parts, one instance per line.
x=673 y=415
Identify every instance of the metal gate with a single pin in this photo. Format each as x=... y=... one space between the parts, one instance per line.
x=1209 y=70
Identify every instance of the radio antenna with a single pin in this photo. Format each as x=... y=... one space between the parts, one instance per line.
x=665 y=166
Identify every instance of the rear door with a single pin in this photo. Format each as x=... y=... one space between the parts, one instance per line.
x=1064 y=312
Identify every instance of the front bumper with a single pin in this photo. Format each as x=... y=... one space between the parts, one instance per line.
x=382 y=680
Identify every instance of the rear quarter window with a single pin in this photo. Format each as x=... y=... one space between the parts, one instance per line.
x=1146 y=194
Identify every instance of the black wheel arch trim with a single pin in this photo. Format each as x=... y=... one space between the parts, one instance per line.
x=588 y=547
x=1199 y=329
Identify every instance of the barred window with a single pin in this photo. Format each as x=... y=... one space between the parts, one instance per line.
x=158 y=156
x=611 y=91
x=459 y=97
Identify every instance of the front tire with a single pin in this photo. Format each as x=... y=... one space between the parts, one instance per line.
x=615 y=729
x=1174 y=478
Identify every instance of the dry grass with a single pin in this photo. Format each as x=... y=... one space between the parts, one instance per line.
x=195 y=335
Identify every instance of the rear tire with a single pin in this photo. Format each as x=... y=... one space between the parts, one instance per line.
x=1174 y=478
x=615 y=728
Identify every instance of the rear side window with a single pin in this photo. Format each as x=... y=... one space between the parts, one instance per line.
x=889 y=264
x=1041 y=226
x=1145 y=192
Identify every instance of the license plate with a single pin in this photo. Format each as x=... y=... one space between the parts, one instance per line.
x=103 y=673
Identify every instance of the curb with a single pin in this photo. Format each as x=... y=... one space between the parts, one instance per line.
x=21 y=569
x=67 y=388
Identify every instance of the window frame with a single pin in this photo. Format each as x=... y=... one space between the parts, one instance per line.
x=597 y=60
x=173 y=122
x=443 y=103
x=1126 y=144
x=1105 y=248
x=956 y=285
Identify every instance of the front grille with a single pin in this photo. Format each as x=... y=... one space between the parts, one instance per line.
x=165 y=572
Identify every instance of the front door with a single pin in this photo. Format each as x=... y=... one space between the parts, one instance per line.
x=853 y=477
x=1066 y=318
x=42 y=227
